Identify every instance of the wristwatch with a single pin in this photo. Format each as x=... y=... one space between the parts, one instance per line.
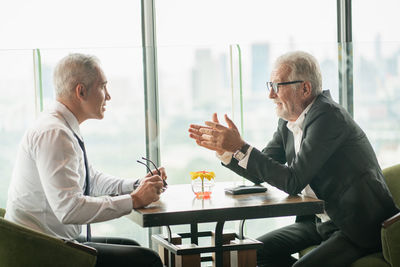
x=241 y=153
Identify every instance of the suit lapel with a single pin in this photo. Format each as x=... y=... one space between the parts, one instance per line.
x=289 y=150
x=314 y=111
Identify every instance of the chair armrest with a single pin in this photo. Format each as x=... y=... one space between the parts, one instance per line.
x=82 y=247
x=391 y=220
x=21 y=246
x=390 y=234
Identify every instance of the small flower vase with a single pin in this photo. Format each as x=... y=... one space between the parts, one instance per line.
x=202 y=183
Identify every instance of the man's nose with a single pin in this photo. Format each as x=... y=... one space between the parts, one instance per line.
x=272 y=94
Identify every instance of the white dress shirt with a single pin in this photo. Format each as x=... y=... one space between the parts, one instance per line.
x=296 y=128
x=46 y=189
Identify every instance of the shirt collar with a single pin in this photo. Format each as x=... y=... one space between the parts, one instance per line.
x=69 y=118
x=298 y=124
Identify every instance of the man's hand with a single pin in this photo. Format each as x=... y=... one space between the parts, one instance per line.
x=195 y=133
x=147 y=192
x=161 y=172
x=217 y=137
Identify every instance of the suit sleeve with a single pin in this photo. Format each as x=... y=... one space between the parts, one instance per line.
x=321 y=139
x=274 y=150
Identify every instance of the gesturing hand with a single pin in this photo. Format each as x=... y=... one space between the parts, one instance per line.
x=217 y=137
x=195 y=133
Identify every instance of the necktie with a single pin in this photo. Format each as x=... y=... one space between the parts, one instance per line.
x=87 y=185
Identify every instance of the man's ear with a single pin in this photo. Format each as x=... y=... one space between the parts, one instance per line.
x=307 y=89
x=80 y=91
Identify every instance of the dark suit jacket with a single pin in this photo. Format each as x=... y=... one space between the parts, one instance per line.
x=338 y=162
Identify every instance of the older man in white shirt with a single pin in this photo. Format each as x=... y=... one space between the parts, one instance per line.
x=55 y=190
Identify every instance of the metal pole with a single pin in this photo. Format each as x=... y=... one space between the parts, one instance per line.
x=149 y=45
x=345 y=55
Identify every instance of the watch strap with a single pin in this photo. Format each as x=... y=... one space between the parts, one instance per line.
x=244 y=148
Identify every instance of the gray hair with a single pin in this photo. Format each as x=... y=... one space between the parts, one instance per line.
x=73 y=69
x=303 y=66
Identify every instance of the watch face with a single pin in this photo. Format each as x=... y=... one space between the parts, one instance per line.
x=238 y=155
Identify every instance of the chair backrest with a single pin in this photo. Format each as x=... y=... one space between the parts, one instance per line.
x=2 y=212
x=392 y=177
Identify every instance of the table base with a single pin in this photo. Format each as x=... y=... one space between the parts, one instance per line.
x=234 y=252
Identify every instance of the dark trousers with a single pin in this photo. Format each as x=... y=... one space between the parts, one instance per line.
x=122 y=252
x=333 y=247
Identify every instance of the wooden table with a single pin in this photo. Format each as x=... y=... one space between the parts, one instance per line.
x=178 y=205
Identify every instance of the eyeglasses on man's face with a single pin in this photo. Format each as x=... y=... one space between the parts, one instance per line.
x=275 y=86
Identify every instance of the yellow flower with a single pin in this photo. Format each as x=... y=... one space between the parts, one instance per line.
x=202 y=175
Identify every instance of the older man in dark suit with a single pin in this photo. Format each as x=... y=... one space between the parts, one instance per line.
x=317 y=150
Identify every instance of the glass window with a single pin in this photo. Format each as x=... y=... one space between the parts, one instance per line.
x=116 y=142
x=72 y=23
x=112 y=32
x=195 y=75
x=376 y=76
x=17 y=109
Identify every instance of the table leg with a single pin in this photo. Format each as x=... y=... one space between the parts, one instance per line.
x=169 y=240
x=227 y=238
x=194 y=239
x=241 y=227
x=218 y=244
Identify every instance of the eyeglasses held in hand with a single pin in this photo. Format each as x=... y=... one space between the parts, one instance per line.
x=148 y=168
x=275 y=86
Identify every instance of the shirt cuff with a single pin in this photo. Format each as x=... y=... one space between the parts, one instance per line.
x=225 y=158
x=128 y=185
x=124 y=203
x=243 y=163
